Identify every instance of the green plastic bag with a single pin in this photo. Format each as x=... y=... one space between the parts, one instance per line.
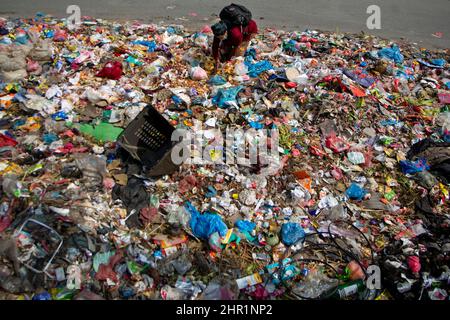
x=102 y=132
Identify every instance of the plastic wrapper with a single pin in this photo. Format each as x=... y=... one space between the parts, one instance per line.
x=179 y=216
x=201 y=40
x=60 y=35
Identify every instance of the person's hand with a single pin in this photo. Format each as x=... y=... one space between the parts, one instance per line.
x=216 y=65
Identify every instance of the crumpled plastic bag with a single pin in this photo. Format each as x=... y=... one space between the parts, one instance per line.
x=219 y=291
x=111 y=70
x=39 y=104
x=240 y=69
x=245 y=225
x=201 y=40
x=171 y=39
x=336 y=144
x=204 y=225
x=178 y=216
x=60 y=35
x=41 y=50
x=198 y=73
x=291 y=233
x=10 y=63
x=13 y=76
x=392 y=53
x=151 y=45
x=7 y=141
x=33 y=67
x=93 y=168
x=227 y=97
x=355 y=192
x=106 y=271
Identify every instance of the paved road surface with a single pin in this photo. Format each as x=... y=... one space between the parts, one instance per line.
x=415 y=20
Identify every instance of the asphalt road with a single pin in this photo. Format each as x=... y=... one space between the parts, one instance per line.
x=414 y=20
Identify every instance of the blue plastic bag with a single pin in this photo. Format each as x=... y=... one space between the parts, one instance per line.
x=245 y=225
x=60 y=115
x=217 y=80
x=49 y=138
x=288 y=271
x=256 y=125
x=428 y=64
x=226 y=97
x=291 y=233
x=151 y=45
x=211 y=192
x=204 y=225
x=438 y=62
x=392 y=122
x=255 y=69
x=392 y=53
x=355 y=192
x=411 y=167
x=133 y=60
x=251 y=53
x=42 y=296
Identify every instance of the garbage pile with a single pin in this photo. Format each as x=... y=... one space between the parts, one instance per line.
x=356 y=208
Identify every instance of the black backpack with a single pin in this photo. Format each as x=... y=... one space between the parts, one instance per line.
x=235 y=15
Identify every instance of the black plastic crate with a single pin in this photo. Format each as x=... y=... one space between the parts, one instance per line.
x=148 y=139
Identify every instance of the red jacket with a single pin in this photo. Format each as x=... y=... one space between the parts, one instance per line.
x=235 y=36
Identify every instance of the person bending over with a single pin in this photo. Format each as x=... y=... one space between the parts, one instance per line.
x=232 y=34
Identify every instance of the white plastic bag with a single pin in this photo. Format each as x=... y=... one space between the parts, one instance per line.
x=240 y=69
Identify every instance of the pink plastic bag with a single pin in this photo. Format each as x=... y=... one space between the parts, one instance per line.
x=197 y=73
x=206 y=29
x=60 y=35
x=33 y=66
